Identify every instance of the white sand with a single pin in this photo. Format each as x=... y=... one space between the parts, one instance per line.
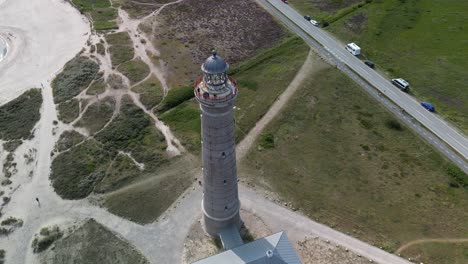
x=42 y=36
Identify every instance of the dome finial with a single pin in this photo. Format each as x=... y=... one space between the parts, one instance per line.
x=214 y=52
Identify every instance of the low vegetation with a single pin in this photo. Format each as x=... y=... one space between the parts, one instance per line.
x=68 y=111
x=150 y=91
x=68 y=139
x=12 y=145
x=97 y=87
x=334 y=154
x=186 y=43
x=103 y=16
x=120 y=48
x=46 y=238
x=19 y=116
x=135 y=70
x=77 y=172
x=93 y=243
x=74 y=78
x=97 y=115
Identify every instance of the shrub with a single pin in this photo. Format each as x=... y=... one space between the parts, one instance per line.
x=18 y=117
x=75 y=77
x=267 y=140
x=394 y=124
x=68 y=111
x=457 y=175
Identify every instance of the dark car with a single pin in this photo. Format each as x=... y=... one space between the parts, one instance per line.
x=428 y=106
x=285 y=1
x=308 y=18
x=369 y=63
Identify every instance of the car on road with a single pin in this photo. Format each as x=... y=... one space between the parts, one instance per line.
x=401 y=83
x=428 y=106
x=353 y=48
x=285 y=1
x=314 y=22
x=307 y=17
x=369 y=63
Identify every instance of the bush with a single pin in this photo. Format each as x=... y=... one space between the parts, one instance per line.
x=267 y=140
x=11 y=146
x=457 y=175
x=75 y=77
x=121 y=48
x=394 y=124
x=135 y=70
x=175 y=97
x=40 y=244
x=19 y=116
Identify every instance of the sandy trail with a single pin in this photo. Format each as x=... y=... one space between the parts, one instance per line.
x=41 y=41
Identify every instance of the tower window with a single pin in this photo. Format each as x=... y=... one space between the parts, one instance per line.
x=224 y=182
x=225 y=207
x=223 y=155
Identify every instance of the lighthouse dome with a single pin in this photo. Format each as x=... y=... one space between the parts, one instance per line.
x=214 y=64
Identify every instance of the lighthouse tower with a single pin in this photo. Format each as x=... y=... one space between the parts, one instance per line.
x=216 y=93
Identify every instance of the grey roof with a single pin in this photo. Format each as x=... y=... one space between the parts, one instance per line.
x=230 y=237
x=256 y=252
x=214 y=64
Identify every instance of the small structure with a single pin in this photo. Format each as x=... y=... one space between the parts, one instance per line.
x=274 y=249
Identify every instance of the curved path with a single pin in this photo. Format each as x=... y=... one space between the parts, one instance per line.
x=430 y=240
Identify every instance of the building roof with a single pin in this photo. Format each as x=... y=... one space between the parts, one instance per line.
x=274 y=249
x=214 y=64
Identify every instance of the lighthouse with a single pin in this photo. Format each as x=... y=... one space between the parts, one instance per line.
x=216 y=92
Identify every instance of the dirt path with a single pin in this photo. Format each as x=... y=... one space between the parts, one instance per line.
x=307 y=68
x=430 y=240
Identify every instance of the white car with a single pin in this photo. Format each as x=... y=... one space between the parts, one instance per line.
x=315 y=23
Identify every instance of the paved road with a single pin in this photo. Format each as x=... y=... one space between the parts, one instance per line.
x=330 y=46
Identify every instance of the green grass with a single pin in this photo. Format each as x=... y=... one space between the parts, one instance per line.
x=100 y=49
x=120 y=48
x=74 y=78
x=421 y=41
x=135 y=70
x=184 y=120
x=175 y=97
x=150 y=91
x=97 y=115
x=68 y=110
x=327 y=10
x=102 y=14
x=335 y=157
x=261 y=80
x=440 y=253
x=19 y=116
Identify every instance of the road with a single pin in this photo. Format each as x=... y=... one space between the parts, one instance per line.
x=330 y=47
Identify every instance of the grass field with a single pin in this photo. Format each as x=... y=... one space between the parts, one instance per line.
x=342 y=159
x=97 y=115
x=423 y=42
x=102 y=14
x=261 y=79
x=19 y=116
x=439 y=253
x=92 y=243
x=135 y=70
